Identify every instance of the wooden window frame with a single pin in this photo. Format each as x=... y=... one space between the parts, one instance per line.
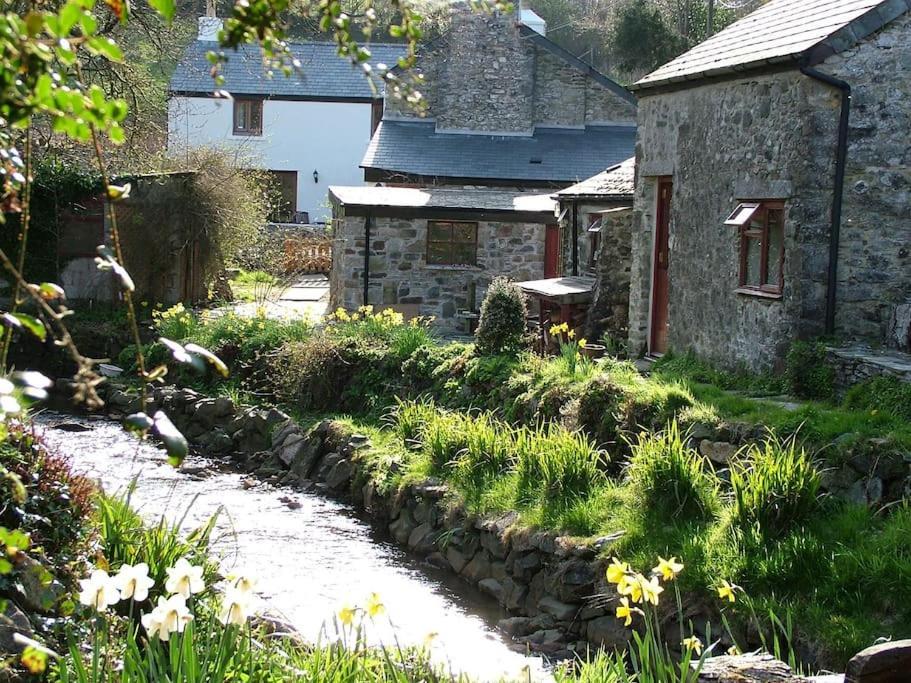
x=251 y=106
x=450 y=262
x=749 y=231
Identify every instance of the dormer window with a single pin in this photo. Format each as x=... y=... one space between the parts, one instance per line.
x=761 y=226
x=248 y=117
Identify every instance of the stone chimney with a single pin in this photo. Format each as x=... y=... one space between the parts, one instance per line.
x=209 y=25
x=485 y=83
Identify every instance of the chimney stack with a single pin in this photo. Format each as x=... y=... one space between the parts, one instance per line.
x=209 y=26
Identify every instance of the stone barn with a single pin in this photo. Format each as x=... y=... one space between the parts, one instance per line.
x=433 y=251
x=774 y=178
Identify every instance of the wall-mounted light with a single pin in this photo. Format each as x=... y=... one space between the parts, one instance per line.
x=316 y=176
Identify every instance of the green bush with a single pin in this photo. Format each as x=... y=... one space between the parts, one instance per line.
x=885 y=394
x=556 y=464
x=808 y=374
x=670 y=479
x=775 y=490
x=501 y=327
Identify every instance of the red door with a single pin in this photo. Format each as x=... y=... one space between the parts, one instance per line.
x=551 y=251
x=661 y=283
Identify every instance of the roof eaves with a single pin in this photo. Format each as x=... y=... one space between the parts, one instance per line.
x=712 y=74
x=583 y=66
x=856 y=31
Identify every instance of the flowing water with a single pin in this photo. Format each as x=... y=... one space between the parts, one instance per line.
x=310 y=561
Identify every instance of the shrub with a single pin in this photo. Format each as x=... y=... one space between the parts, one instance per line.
x=777 y=489
x=808 y=374
x=554 y=463
x=502 y=323
x=671 y=479
x=886 y=394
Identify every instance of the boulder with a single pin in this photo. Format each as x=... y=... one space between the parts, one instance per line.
x=307 y=454
x=757 y=667
x=205 y=413
x=38 y=590
x=282 y=431
x=493 y=588
x=220 y=443
x=561 y=611
x=402 y=527
x=340 y=475
x=515 y=626
x=719 y=452
x=289 y=448
x=421 y=539
x=457 y=559
x=608 y=632
x=478 y=568
x=885 y=663
x=13 y=621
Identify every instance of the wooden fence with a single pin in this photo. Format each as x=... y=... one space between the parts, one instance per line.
x=307 y=254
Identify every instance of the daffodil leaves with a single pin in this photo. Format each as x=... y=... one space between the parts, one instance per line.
x=195 y=356
x=174 y=442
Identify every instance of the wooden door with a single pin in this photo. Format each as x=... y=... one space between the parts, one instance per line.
x=552 y=251
x=661 y=282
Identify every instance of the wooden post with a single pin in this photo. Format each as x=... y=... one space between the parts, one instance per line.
x=710 y=19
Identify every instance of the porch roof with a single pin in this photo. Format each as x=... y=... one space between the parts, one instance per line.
x=617 y=182
x=449 y=198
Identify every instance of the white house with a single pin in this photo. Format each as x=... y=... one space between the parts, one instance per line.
x=310 y=129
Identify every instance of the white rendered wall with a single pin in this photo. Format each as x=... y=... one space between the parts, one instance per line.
x=327 y=137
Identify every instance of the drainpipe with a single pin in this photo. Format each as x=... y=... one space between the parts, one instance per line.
x=841 y=161
x=575 y=237
x=368 y=223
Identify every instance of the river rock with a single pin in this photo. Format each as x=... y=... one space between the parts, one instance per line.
x=884 y=663
x=39 y=591
x=457 y=559
x=561 y=611
x=306 y=456
x=13 y=621
x=719 y=452
x=514 y=594
x=515 y=626
x=493 y=543
x=608 y=632
x=220 y=443
x=402 y=527
x=493 y=588
x=478 y=568
x=575 y=581
x=756 y=667
x=421 y=539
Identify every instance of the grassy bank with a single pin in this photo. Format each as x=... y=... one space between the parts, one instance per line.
x=596 y=448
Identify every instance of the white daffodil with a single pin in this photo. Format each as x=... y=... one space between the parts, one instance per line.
x=235 y=607
x=169 y=616
x=99 y=591
x=184 y=579
x=242 y=581
x=133 y=581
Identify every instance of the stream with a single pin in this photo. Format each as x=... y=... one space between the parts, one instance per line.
x=309 y=561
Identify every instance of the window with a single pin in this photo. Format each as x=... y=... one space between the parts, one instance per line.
x=450 y=243
x=761 y=226
x=248 y=117
x=594 y=237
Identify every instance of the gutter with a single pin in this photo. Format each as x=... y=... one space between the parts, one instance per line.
x=368 y=223
x=841 y=161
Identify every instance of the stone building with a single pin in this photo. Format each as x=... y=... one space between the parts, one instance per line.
x=431 y=251
x=509 y=114
x=774 y=167
x=506 y=106
x=595 y=218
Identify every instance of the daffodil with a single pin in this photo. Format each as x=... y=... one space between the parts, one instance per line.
x=133 y=582
x=651 y=589
x=583 y=343
x=668 y=569
x=734 y=651
x=726 y=591
x=631 y=586
x=617 y=571
x=99 y=591
x=625 y=612
x=34 y=660
x=571 y=334
x=242 y=581
x=170 y=615
x=693 y=644
x=346 y=615
x=235 y=607
x=375 y=606
x=184 y=579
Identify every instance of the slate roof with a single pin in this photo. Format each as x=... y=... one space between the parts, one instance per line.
x=550 y=155
x=616 y=182
x=323 y=74
x=442 y=198
x=781 y=31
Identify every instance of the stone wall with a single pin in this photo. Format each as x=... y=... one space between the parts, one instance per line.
x=609 y=311
x=750 y=138
x=401 y=277
x=484 y=76
x=874 y=265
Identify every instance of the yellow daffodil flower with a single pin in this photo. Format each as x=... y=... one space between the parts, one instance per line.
x=726 y=591
x=375 y=606
x=346 y=615
x=34 y=660
x=583 y=343
x=668 y=569
x=734 y=651
x=625 y=612
x=571 y=334
x=651 y=589
x=693 y=644
x=617 y=571
x=631 y=586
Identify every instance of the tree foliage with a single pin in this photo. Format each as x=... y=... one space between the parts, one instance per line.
x=502 y=323
x=642 y=40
